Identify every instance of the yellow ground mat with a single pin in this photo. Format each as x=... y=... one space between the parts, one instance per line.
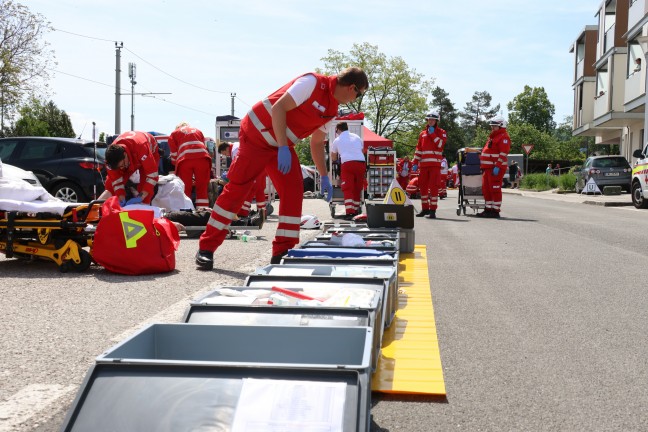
x=410 y=361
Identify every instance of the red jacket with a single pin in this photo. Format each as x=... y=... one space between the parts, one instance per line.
x=401 y=164
x=429 y=149
x=320 y=108
x=187 y=143
x=496 y=149
x=139 y=147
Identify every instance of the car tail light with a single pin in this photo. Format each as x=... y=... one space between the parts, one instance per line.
x=90 y=165
x=594 y=171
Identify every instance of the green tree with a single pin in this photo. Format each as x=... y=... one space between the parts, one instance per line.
x=25 y=57
x=395 y=102
x=449 y=122
x=38 y=119
x=532 y=106
x=476 y=113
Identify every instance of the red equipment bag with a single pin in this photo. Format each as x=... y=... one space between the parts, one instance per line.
x=133 y=242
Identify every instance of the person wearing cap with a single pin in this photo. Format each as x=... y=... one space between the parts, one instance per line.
x=192 y=162
x=268 y=133
x=493 y=163
x=428 y=155
x=349 y=148
x=130 y=152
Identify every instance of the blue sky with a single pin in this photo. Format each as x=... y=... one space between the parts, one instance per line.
x=200 y=51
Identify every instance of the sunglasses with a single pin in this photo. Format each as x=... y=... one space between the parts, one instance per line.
x=358 y=92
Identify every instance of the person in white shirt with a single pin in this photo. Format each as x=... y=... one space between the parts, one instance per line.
x=349 y=148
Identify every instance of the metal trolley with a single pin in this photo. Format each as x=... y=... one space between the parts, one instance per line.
x=470 y=181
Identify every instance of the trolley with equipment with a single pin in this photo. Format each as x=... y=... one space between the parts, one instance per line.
x=470 y=181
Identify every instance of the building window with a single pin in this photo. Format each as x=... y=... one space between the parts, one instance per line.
x=635 y=58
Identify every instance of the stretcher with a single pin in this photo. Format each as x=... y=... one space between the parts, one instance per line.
x=470 y=181
x=59 y=234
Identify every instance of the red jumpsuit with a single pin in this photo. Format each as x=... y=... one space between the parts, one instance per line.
x=403 y=180
x=494 y=155
x=412 y=186
x=142 y=152
x=257 y=193
x=258 y=151
x=428 y=154
x=191 y=158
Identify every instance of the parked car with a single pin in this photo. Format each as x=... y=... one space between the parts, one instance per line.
x=12 y=172
x=640 y=179
x=67 y=167
x=606 y=171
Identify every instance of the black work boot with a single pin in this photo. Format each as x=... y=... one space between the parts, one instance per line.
x=485 y=213
x=205 y=259
x=276 y=259
x=431 y=214
x=422 y=213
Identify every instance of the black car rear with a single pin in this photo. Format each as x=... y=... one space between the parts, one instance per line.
x=68 y=168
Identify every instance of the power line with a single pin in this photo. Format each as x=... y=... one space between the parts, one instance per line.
x=85 y=79
x=83 y=36
x=175 y=78
x=182 y=106
x=145 y=61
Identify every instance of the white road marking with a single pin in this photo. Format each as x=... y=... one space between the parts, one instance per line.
x=28 y=402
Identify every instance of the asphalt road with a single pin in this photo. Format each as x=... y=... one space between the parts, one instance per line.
x=541 y=317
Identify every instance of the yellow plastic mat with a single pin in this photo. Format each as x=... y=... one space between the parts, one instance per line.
x=410 y=361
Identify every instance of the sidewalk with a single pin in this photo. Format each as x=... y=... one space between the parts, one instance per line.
x=603 y=200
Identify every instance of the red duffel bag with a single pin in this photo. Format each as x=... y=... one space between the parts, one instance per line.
x=133 y=242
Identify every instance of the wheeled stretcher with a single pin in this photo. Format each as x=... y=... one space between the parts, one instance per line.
x=57 y=236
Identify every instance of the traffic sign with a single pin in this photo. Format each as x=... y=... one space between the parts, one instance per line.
x=527 y=148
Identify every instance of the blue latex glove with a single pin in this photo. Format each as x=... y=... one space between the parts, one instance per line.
x=495 y=170
x=431 y=129
x=284 y=160
x=135 y=200
x=414 y=168
x=326 y=188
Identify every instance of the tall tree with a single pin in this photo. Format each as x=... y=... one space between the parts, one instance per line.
x=395 y=101
x=532 y=106
x=25 y=57
x=449 y=122
x=476 y=113
x=38 y=119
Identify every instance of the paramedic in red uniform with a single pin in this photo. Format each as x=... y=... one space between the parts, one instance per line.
x=130 y=152
x=268 y=133
x=493 y=162
x=258 y=190
x=191 y=159
x=403 y=169
x=428 y=156
x=349 y=147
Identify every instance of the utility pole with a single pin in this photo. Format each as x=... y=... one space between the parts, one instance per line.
x=131 y=75
x=118 y=47
x=232 y=95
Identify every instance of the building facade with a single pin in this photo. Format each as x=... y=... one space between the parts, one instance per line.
x=610 y=76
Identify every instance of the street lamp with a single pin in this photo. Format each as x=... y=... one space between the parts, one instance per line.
x=643 y=41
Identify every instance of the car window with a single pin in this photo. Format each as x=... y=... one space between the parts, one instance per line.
x=617 y=162
x=38 y=150
x=588 y=163
x=7 y=147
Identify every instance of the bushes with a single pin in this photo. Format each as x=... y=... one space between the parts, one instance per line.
x=543 y=182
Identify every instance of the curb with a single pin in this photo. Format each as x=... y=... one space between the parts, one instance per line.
x=607 y=204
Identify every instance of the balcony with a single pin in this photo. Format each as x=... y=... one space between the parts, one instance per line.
x=634 y=86
x=580 y=69
x=601 y=105
x=637 y=11
x=608 y=39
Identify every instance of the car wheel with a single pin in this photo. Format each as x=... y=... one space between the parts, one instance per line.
x=638 y=199
x=68 y=191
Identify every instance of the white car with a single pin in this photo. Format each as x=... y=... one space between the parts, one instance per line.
x=12 y=172
x=639 y=187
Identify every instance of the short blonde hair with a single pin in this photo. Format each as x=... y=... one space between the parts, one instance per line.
x=182 y=124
